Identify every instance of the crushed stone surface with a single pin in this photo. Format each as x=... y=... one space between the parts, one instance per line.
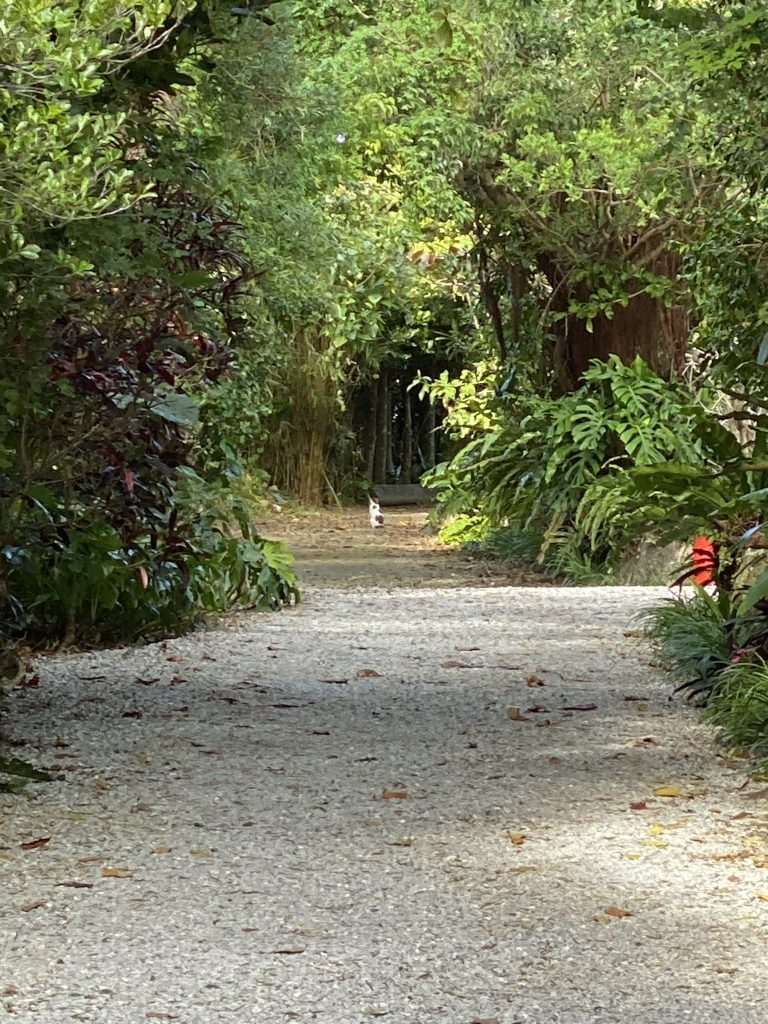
x=420 y=805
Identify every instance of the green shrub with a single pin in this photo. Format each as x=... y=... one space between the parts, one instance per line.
x=75 y=578
x=739 y=705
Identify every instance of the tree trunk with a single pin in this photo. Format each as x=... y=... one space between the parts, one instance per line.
x=406 y=444
x=381 y=453
x=645 y=327
x=430 y=441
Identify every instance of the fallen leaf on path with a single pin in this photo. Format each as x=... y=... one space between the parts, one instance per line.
x=536 y=709
x=634 y=632
x=617 y=912
x=75 y=885
x=534 y=680
x=394 y=794
x=290 y=950
x=146 y=682
x=109 y=872
x=162 y=849
x=35 y=844
x=660 y=843
x=635 y=698
x=457 y=664
x=467 y=648
x=656 y=828
x=719 y=969
x=516 y=838
x=485 y=1020
x=320 y=732
x=639 y=805
x=374 y=1011
x=132 y=714
x=157 y=1015
x=201 y=852
x=643 y=741
x=32 y=905
x=756 y=794
x=403 y=841
x=631 y=856
x=762 y=896
x=579 y=707
x=668 y=791
x=368 y=673
x=515 y=715
x=335 y=682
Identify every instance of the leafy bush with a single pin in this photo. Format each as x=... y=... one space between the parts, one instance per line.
x=78 y=578
x=738 y=707
x=557 y=467
x=463 y=529
x=691 y=638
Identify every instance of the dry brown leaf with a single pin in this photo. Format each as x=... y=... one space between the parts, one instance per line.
x=756 y=794
x=617 y=912
x=456 y=664
x=368 y=673
x=403 y=841
x=486 y=1020
x=394 y=794
x=161 y=849
x=110 y=872
x=762 y=896
x=638 y=805
x=290 y=950
x=35 y=844
x=516 y=838
x=660 y=843
x=656 y=828
x=467 y=648
x=200 y=851
x=515 y=715
x=157 y=1015
x=32 y=905
x=534 y=680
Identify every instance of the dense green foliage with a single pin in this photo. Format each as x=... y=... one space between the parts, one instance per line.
x=123 y=293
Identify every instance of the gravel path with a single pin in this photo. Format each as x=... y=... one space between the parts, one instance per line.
x=379 y=805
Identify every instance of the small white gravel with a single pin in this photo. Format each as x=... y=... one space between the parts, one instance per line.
x=237 y=778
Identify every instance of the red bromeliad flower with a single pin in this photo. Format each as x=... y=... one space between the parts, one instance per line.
x=705 y=560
